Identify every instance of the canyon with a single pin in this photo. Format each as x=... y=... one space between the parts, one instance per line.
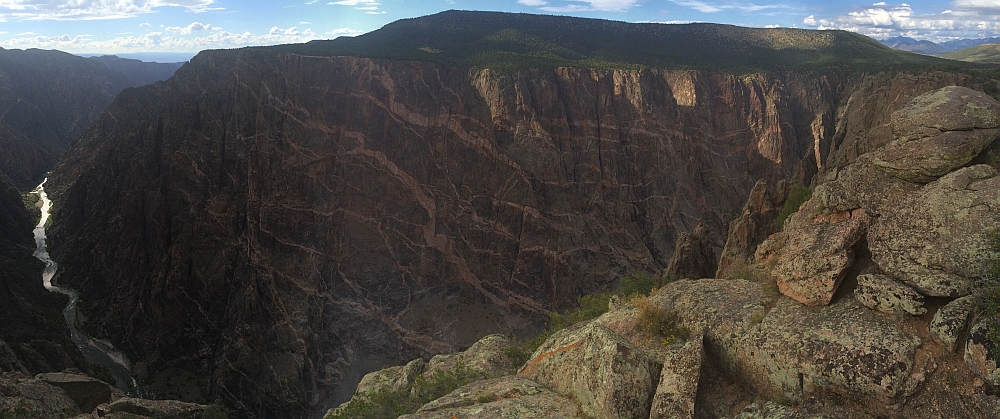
x=273 y=223
x=295 y=221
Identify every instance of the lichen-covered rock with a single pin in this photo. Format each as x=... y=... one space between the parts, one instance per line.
x=391 y=378
x=938 y=132
x=504 y=397
x=486 y=357
x=794 y=351
x=810 y=256
x=129 y=407
x=770 y=410
x=933 y=239
x=25 y=397
x=879 y=292
x=723 y=310
x=693 y=255
x=607 y=375
x=977 y=353
x=675 y=394
x=861 y=185
x=843 y=348
x=952 y=320
x=87 y=392
x=753 y=226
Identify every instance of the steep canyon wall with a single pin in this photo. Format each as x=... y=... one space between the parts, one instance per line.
x=272 y=226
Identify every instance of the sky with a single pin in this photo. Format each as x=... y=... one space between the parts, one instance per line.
x=189 y=26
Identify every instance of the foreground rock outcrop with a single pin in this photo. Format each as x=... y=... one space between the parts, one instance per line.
x=74 y=395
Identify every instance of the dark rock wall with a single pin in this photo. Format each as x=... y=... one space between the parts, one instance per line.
x=33 y=334
x=48 y=99
x=278 y=225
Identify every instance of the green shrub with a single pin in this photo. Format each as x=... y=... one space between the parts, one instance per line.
x=990 y=293
x=590 y=306
x=796 y=197
x=387 y=403
x=657 y=322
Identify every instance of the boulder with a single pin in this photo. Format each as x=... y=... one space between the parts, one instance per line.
x=810 y=256
x=879 y=292
x=861 y=185
x=607 y=375
x=87 y=392
x=952 y=320
x=392 y=378
x=25 y=397
x=722 y=310
x=769 y=410
x=504 y=397
x=753 y=226
x=693 y=255
x=978 y=354
x=487 y=357
x=793 y=351
x=843 y=348
x=675 y=394
x=933 y=240
x=129 y=407
x=938 y=132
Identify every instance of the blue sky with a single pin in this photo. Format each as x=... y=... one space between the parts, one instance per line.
x=130 y=26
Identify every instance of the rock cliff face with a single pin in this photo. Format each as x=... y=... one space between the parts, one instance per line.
x=49 y=98
x=332 y=215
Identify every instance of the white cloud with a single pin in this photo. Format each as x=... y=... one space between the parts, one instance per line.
x=706 y=7
x=580 y=5
x=345 y=32
x=165 y=42
x=91 y=9
x=193 y=27
x=144 y=25
x=964 y=19
x=368 y=6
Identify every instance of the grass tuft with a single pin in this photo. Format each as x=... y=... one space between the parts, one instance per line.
x=387 y=403
x=797 y=196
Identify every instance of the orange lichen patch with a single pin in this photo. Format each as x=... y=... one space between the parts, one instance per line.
x=529 y=369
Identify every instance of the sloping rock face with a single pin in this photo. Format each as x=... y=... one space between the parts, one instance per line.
x=86 y=391
x=938 y=132
x=980 y=353
x=49 y=98
x=675 y=394
x=795 y=352
x=693 y=255
x=952 y=320
x=607 y=375
x=753 y=226
x=810 y=256
x=881 y=293
x=953 y=213
x=504 y=397
x=21 y=396
x=330 y=200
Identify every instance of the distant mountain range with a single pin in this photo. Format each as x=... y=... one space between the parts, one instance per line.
x=904 y=43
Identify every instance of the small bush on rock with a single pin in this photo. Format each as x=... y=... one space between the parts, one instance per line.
x=386 y=403
x=656 y=321
x=796 y=197
x=990 y=294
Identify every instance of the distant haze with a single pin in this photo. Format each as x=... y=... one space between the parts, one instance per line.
x=155 y=57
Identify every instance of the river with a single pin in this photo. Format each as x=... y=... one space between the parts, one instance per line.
x=97 y=351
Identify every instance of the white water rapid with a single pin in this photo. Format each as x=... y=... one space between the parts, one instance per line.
x=97 y=351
